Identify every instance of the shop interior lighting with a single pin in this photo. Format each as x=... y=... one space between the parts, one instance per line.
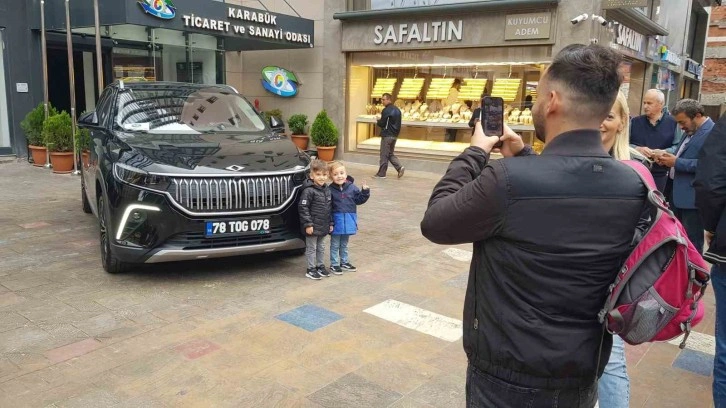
x=439 y=88
x=506 y=88
x=411 y=88
x=464 y=64
x=383 y=85
x=472 y=88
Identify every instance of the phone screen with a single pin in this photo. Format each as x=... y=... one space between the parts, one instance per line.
x=492 y=113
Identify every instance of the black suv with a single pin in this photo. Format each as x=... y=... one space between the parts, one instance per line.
x=183 y=171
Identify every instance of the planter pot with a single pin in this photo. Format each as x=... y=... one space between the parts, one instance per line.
x=301 y=141
x=326 y=153
x=85 y=155
x=39 y=155
x=62 y=162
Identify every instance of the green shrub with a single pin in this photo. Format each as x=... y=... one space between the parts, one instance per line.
x=57 y=133
x=273 y=112
x=297 y=123
x=83 y=139
x=323 y=132
x=32 y=124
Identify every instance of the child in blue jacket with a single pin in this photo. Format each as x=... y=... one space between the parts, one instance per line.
x=346 y=196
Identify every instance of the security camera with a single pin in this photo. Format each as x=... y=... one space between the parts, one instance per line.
x=580 y=18
x=600 y=19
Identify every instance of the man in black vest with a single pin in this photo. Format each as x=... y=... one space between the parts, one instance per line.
x=549 y=234
x=390 y=123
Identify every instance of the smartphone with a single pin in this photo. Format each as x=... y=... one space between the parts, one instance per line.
x=492 y=115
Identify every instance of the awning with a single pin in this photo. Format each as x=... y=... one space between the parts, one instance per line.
x=491 y=5
x=637 y=21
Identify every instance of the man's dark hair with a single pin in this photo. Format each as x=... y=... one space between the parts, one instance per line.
x=688 y=106
x=591 y=73
x=318 y=166
x=386 y=96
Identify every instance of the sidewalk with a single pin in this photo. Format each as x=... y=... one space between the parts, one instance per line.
x=252 y=331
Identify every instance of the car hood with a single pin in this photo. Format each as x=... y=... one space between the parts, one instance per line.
x=210 y=153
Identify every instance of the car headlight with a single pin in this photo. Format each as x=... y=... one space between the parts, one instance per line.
x=140 y=178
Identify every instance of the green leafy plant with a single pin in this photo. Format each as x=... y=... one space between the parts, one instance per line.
x=297 y=123
x=57 y=133
x=323 y=132
x=32 y=124
x=83 y=139
x=272 y=112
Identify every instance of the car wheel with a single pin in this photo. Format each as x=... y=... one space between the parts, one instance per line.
x=110 y=263
x=84 y=200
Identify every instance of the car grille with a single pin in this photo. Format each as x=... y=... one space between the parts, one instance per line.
x=239 y=194
x=197 y=240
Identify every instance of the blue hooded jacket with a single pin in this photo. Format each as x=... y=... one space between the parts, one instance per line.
x=345 y=198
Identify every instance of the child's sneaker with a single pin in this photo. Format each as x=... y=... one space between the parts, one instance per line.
x=313 y=274
x=322 y=271
x=346 y=266
x=336 y=270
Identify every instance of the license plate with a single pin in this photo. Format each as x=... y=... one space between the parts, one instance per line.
x=254 y=226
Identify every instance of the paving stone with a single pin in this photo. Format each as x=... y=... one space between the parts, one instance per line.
x=310 y=317
x=72 y=350
x=196 y=348
x=92 y=399
x=11 y=320
x=695 y=361
x=441 y=391
x=354 y=391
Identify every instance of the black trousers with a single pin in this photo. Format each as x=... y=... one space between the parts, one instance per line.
x=388 y=145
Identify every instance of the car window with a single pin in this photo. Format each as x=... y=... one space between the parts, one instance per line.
x=185 y=110
x=103 y=107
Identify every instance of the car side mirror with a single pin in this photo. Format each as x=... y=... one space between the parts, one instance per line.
x=88 y=119
x=277 y=125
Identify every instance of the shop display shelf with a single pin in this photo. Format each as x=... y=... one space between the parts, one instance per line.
x=383 y=85
x=410 y=88
x=439 y=88
x=472 y=89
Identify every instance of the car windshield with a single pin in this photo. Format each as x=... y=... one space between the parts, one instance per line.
x=185 y=110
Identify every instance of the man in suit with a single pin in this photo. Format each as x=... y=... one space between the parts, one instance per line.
x=682 y=165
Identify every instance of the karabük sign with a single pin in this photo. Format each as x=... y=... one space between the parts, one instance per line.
x=279 y=81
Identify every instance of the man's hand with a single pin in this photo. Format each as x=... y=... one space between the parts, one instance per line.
x=309 y=230
x=666 y=159
x=364 y=186
x=709 y=238
x=479 y=139
x=512 y=143
x=645 y=151
x=378 y=116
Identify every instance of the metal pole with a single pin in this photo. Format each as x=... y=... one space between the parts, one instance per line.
x=44 y=54
x=71 y=77
x=99 y=63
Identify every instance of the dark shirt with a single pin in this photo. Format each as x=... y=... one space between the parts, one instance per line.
x=390 y=121
x=658 y=136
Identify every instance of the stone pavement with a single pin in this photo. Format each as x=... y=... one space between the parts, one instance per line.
x=252 y=331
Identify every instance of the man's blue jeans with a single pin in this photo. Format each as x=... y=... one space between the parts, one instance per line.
x=614 y=385
x=338 y=249
x=718 y=280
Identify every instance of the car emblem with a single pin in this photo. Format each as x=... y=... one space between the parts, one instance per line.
x=279 y=81
x=234 y=167
x=163 y=9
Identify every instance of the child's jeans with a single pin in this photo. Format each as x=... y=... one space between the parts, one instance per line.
x=315 y=250
x=338 y=249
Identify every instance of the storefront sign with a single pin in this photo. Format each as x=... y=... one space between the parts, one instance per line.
x=611 y=4
x=670 y=56
x=528 y=26
x=435 y=31
x=163 y=9
x=694 y=68
x=21 y=87
x=279 y=81
x=629 y=38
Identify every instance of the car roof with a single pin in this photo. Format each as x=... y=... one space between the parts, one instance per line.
x=150 y=85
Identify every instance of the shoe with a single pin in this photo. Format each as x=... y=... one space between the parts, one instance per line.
x=336 y=270
x=346 y=266
x=313 y=274
x=379 y=177
x=400 y=172
x=322 y=271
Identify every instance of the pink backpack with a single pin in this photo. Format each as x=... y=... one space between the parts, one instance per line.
x=657 y=293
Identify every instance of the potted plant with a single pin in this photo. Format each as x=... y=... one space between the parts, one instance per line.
x=272 y=112
x=83 y=145
x=58 y=138
x=32 y=125
x=325 y=136
x=297 y=125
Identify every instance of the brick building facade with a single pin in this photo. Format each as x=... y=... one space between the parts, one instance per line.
x=713 y=89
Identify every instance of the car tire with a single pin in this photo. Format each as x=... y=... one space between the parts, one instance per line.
x=84 y=200
x=110 y=263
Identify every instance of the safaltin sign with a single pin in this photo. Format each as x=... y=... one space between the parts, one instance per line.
x=163 y=9
x=279 y=81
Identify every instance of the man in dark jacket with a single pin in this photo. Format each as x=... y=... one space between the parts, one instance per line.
x=390 y=123
x=710 y=186
x=550 y=233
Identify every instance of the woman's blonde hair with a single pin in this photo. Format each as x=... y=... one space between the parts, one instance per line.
x=621 y=147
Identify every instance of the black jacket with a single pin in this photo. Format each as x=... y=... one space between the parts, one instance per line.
x=710 y=186
x=550 y=233
x=315 y=208
x=390 y=121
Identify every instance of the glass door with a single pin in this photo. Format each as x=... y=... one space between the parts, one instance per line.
x=4 y=128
